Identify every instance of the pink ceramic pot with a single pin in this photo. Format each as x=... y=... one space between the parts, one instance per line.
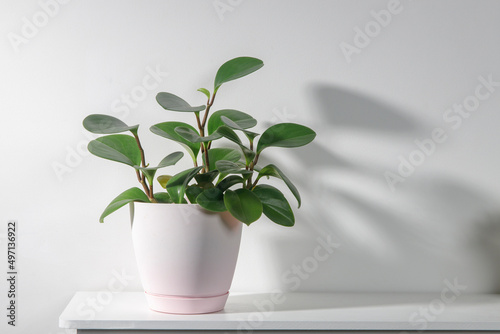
x=186 y=256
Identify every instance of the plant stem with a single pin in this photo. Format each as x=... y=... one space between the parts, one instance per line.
x=142 y=181
x=207 y=162
x=143 y=158
x=152 y=197
x=202 y=134
x=140 y=176
x=204 y=146
x=201 y=126
x=254 y=162
x=251 y=167
x=255 y=183
x=198 y=121
x=209 y=104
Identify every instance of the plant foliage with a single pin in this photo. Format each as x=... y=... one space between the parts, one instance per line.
x=224 y=179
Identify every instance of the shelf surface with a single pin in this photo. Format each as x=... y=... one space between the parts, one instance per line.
x=292 y=311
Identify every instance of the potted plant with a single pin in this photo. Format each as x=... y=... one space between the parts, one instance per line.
x=186 y=237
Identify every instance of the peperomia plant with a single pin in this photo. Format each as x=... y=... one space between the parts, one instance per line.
x=226 y=179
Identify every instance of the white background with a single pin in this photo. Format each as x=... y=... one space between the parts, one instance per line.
x=368 y=109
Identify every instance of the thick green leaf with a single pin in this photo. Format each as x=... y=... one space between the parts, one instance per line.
x=216 y=154
x=229 y=134
x=235 y=126
x=192 y=192
x=205 y=91
x=212 y=199
x=205 y=180
x=230 y=181
x=243 y=205
x=174 y=103
x=248 y=154
x=274 y=204
x=169 y=160
x=130 y=195
x=192 y=136
x=119 y=148
x=226 y=131
x=163 y=179
x=236 y=68
x=104 y=124
x=149 y=173
x=242 y=119
x=167 y=130
x=285 y=135
x=176 y=186
x=229 y=167
x=272 y=170
x=163 y=197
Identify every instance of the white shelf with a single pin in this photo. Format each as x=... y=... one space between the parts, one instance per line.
x=292 y=311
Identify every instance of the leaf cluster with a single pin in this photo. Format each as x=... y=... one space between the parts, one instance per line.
x=224 y=179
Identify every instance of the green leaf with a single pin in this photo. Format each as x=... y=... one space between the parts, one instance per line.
x=119 y=148
x=205 y=180
x=235 y=126
x=216 y=154
x=243 y=120
x=104 y=124
x=272 y=170
x=192 y=136
x=176 y=186
x=149 y=173
x=167 y=130
x=169 y=160
x=163 y=197
x=229 y=167
x=274 y=205
x=229 y=134
x=229 y=181
x=192 y=192
x=212 y=199
x=249 y=154
x=174 y=103
x=130 y=195
x=163 y=179
x=225 y=129
x=243 y=205
x=236 y=68
x=205 y=91
x=285 y=135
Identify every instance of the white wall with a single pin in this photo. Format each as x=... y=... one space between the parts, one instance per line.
x=440 y=223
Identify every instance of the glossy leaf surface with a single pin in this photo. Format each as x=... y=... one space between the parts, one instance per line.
x=119 y=148
x=212 y=199
x=172 y=102
x=236 y=68
x=242 y=119
x=274 y=204
x=176 y=186
x=104 y=124
x=272 y=170
x=130 y=195
x=285 y=135
x=167 y=130
x=243 y=205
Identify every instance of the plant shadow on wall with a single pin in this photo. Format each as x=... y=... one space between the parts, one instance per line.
x=431 y=228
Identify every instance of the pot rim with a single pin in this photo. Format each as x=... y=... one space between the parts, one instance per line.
x=226 y=215
x=188 y=204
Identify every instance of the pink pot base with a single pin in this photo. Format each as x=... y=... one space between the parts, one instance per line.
x=186 y=305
